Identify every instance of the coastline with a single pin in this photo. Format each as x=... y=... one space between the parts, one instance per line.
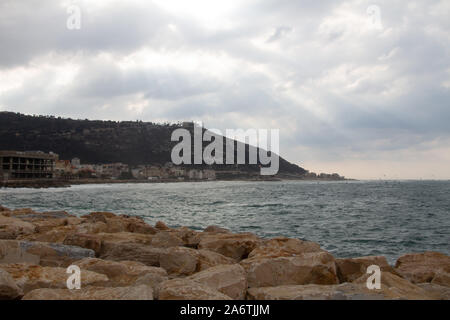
x=56 y=183
x=123 y=257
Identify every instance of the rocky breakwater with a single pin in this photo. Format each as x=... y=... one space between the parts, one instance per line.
x=123 y=258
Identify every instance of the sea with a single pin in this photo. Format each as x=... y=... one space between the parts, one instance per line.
x=347 y=218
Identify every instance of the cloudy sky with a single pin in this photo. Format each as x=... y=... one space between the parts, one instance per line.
x=355 y=87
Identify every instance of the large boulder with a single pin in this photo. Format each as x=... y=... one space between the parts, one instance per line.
x=208 y=259
x=183 y=261
x=11 y=228
x=392 y=287
x=216 y=229
x=56 y=235
x=132 y=252
x=395 y=287
x=441 y=278
x=124 y=273
x=306 y=268
x=45 y=254
x=29 y=277
x=185 y=289
x=165 y=239
x=8 y=287
x=436 y=291
x=102 y=242
x=179 y=261
x=188 y=236
x=422 y=267
x=283 y=247
x=235 y=246
x=141 y=292
x=122 y=223
x=350 y=269
x=228 y=279
x=161 y=226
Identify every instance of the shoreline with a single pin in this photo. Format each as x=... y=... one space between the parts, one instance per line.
x=55 y=183
x=124 y=257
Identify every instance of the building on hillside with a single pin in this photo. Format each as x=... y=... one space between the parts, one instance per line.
x=27 y=165
x=63 y=169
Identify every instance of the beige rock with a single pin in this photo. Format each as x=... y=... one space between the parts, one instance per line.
x=123 y=223
x=42 y=253
x=166 y=240
x=236 y=246
x=185 y=289
x=437 y=292
x=392 y=287
x=141 y=292
x=103 y=242
x=11 y=228
x=283 y=247
x=46 y=221
x=305 y=292
x=441 y=278
x=124 y=273
x=21 y=211
x=132 y=252
x=208 y=259
x=8 y=288
x=125 y=237
x=161 y=226
x=216 y=229
x=350 y=269
x=55 y=235
x=188 y=236
x=307 y=268
x=179 y=260
x=29 y=277
x=422 y=267
x=87 y=241
x=152 y=280
x=395 y=287
x=228 y=279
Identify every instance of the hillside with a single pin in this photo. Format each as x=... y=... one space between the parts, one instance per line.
x=130 y=142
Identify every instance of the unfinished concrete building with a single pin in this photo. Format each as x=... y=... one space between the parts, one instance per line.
x=16 y=165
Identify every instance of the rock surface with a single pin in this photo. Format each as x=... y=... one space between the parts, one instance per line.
x=185 y=289
x=124 y=273
x=122 y=257
x=392 y=287
x=228 y=279
x=141 y=292
x=8 y=287
x=133 y=252
x=350 y=269
x=30 y=277
x=307 y=268
x=235 y=246
x=422 y=267
x=45 y=254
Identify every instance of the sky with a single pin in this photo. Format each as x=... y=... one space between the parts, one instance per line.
x=355 y=87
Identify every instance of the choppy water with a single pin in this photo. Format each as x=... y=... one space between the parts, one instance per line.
x=346 y=218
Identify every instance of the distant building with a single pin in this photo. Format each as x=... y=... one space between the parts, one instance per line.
x=76 y=162
x=63 y=169
x=27 y=165
x=114 y=170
